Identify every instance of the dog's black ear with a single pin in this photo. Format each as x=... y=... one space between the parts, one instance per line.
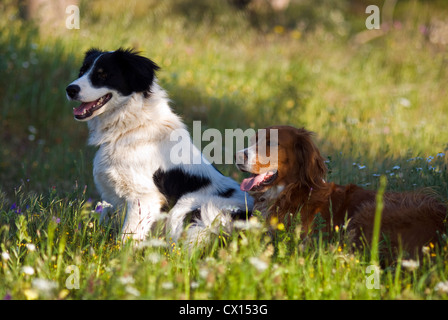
x=92 y=52
x=138 y=71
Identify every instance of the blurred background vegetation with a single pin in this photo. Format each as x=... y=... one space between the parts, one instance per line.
x=375 y=98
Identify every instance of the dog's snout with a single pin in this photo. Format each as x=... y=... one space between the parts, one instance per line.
x=73 y=90
x=241 y=157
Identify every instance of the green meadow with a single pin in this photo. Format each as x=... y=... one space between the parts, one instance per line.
x=376 y=99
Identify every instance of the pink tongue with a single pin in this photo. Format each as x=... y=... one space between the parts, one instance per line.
x=84 y=106
x=248 y=183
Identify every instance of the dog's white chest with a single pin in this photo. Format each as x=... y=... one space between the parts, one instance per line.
x=125 y=172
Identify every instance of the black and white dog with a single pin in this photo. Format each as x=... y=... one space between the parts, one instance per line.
x=131 y=122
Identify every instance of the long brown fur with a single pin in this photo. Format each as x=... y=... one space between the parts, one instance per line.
x=410 y=220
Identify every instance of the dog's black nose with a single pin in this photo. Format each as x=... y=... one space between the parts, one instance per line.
x=73 y=90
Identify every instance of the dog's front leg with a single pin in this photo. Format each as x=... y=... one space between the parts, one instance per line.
x=140 y=216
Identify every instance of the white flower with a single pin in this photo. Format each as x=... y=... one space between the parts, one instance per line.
x=203 y=273
x=441 y=287
x=44 y=286
x=154 y=257
x=167 y=285
x=5 y=256
x=105 y=204
x=153 y=243
x=126 y=280
x=28 y=270
x=410 y=264
x=405 y=102
x=31 y=247
x=259 y=264
x=132 y=291
x=251 y=224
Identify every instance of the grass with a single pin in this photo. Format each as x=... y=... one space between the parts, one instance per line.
x=378 y=108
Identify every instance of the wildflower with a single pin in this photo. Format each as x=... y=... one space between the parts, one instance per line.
x=396 y=168
x=31 y=294
x=441 y=287
x=31 y=247
x=7 y=296
x=28 y=270
x=259 y=264
x=56 y=220
x=296 y=34
x=167 y=285
x=410 y=265
x=203 y=273
x=15 y=208
x=194 y=285
x=405 y=102
x=251 y=224
x=336 y=229
x=100 y=206
x=440 y=155
x=154 y=257
x=279 y=29
x=132 y=291
x=126 y=280
x=5 y=256
x=43 y=286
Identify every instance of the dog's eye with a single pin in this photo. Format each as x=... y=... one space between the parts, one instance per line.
x=101 y=73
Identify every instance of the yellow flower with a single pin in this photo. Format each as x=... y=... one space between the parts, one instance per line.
x=63 y=294
x=296 y=34
x=280 y=226
x=336 y=228
x=30 y=294
x=279 y=29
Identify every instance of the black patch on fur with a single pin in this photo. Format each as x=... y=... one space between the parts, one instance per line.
x=123 y=70
x=192 y=217
x=174 y=183
x=89 y=58
x=241 y=215
x=227 y=193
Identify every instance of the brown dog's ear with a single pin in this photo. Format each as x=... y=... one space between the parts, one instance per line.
x=311 y=165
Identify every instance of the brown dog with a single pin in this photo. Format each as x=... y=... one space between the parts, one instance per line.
x=293 y=183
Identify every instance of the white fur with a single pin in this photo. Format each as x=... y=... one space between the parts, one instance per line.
x=133 y=136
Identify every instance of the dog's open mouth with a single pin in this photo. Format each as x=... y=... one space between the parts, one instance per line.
x=256 y=182
x=86 y=109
